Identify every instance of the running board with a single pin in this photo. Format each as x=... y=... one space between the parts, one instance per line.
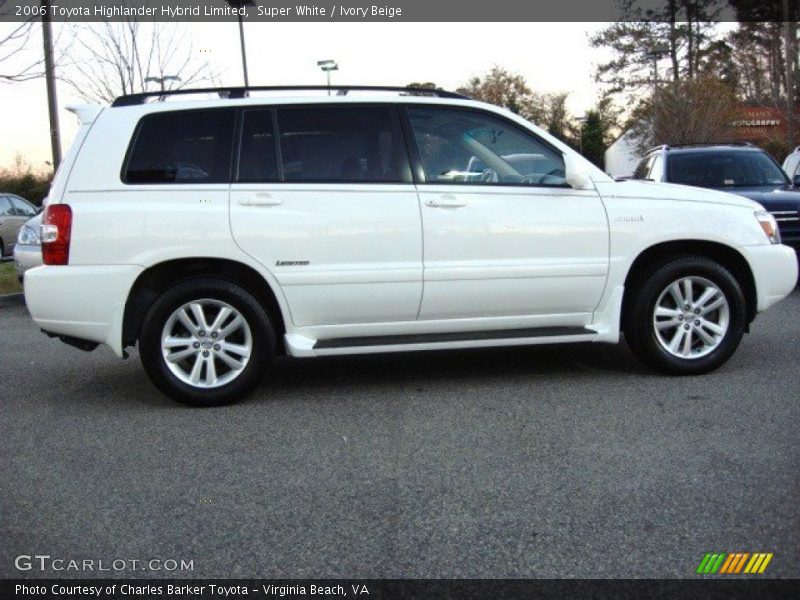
x=458 y=336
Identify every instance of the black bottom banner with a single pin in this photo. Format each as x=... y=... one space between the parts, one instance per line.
x=373 y=589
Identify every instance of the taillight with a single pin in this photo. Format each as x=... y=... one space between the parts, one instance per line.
x=55 y=234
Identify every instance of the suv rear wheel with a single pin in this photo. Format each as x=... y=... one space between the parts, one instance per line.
x=206 y=342
x=687 y=317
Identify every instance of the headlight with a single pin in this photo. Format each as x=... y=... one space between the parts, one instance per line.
x=28 y=236
x=769 y=225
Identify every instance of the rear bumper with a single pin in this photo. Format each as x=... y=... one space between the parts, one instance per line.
x=774 y=269
x=84 y=302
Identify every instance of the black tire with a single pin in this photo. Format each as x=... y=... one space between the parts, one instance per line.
x=257 y=318
x=640 y=334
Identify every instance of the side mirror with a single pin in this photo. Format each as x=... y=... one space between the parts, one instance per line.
x=576 y=175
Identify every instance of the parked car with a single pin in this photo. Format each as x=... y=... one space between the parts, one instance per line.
x=740 y=169
x=14 y=212
x=218 y=233
x=28 y=250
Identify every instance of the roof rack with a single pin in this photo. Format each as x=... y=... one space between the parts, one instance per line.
x=654 y=148
x=721 y=143
x=243 y=92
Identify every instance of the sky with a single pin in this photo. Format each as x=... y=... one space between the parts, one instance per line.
x=552 y=57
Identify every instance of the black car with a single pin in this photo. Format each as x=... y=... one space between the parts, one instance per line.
x=739 y=169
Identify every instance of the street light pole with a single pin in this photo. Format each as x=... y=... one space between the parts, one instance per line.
x=244 y=53
x=787 y=38
x=582 y=121
x=327 y=66
x=655 y=53
x=50 y=78
x=239 y=5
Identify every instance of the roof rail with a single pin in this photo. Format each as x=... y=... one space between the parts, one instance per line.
x=722 y=143
x=654 y=148
x=242 y=92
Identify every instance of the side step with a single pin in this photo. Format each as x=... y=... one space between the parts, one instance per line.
x=459 y=336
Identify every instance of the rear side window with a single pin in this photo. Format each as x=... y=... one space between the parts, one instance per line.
x=339 y=144
x=182 y=147
x=5 y=206
x=258 y=161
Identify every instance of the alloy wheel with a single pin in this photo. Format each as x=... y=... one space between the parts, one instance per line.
x=691 y=317
x=206 y=343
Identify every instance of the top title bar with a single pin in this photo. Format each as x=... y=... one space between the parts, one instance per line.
x=398 y=10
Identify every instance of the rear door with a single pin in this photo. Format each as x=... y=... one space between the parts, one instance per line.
x=322 y=196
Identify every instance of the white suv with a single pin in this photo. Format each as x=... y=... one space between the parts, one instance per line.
x=218 y=233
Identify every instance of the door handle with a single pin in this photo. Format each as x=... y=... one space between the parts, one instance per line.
x=446 y=201
x=260 y=199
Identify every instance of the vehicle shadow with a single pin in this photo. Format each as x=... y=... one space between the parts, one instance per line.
x=288 y=376
x=467 y=366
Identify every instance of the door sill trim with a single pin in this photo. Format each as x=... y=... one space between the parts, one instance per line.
x=456 y=336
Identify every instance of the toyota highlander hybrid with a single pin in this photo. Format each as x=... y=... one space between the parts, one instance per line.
x=217 y=233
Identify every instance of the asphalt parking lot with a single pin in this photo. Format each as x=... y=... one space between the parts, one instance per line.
x=569 y=461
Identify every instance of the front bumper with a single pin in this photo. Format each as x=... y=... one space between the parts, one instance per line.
x=83 y=302
x=774 y=270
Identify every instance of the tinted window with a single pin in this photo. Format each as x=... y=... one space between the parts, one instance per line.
x=257 y=156
x=471 y=147
x=339 y=144
x=182 y=147
x=5 y=207
x=22 y=208
x=724 y=169
x=643 y=168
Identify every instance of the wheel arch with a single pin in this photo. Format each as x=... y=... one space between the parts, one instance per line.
x=727 y=256
x=157 y=278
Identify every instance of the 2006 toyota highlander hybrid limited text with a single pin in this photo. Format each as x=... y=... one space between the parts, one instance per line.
x=218 y=233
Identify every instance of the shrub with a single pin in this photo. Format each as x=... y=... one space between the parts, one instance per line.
x=22 y=180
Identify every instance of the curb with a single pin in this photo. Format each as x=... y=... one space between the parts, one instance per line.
x=12 y=300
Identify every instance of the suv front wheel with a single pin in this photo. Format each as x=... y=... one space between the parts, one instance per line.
x=206 y=342
x=687 y=317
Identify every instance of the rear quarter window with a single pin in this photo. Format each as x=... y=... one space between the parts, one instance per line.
x=185 y=147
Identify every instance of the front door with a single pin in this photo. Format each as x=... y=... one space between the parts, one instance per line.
x=504 y=236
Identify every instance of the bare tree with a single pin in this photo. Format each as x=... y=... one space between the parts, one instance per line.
x=107 y=60
x=16 y=61
x=699 y=110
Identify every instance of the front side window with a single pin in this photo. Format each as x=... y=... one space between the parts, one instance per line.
x=191 y=146
x=725 y=169
x=655 y=168
x=474 y=148
x=339 y=144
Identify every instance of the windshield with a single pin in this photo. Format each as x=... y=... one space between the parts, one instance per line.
x=728 y=169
